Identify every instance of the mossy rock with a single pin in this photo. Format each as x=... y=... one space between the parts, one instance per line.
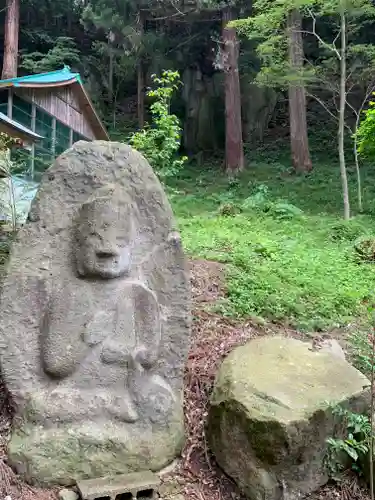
x=270 y=415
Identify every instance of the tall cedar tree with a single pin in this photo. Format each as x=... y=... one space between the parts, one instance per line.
x=299 y=142
x=234 y=157
x=11 y=34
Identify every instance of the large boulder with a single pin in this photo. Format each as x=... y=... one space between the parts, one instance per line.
x=269 y=416
x=95 y=321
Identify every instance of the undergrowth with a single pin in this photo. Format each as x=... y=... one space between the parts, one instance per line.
x=290 y=257
x=353 y=448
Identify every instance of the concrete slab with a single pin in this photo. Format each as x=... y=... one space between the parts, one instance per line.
x=122 y=487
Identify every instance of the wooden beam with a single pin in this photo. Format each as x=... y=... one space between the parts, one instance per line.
x=33 y=124
x=10 y=104
x=70 y=137
x=53 y=136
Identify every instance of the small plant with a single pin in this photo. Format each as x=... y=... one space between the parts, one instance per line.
x=357 y=448
x=365 y=248
x=229 y=209
x=346 y=230
x=259 y=200
x=354 y=448
x=160 y=140
x=284 y=210
x=360 y=347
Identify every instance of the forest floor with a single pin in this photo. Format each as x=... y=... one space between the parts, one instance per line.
x=269 y=254
x=273 y=256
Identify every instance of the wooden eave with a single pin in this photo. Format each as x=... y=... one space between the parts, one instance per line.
x=90 y=112
x=45 y=85
x=18 y=131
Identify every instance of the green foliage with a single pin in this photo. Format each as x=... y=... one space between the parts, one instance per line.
x=260 y=201
x=6 y=143
x=354 y=447
x=297 y=269
x=229 y=209
x=366 y=133
x=285 y=210
x=365 y=248
x=160 y=140
x=361 y=349
x=267 y=26
x=347 y=230
x=64 y=52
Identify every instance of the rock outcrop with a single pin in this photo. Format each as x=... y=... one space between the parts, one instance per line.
x=269 y=417
x=95 y=321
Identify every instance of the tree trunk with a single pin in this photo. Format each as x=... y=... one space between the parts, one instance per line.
x=141 y=79
x=299 y=141
x=234 y=158
x=11 y=33
x=140 y=95
x=341 y=131
x=110 y=69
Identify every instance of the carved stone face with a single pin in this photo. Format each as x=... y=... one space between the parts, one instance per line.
x=104 y=236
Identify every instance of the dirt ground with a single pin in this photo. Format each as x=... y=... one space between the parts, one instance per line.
x=197 y=476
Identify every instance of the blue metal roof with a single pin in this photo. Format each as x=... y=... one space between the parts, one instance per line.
x=59 y=76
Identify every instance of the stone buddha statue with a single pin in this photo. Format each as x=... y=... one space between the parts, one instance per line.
x=105 y=344
x=95 y=321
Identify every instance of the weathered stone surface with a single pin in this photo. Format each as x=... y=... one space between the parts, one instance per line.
x=333 y=347
x=95 y=321
x=269 y=417
x=67 y=495
x=112 y=487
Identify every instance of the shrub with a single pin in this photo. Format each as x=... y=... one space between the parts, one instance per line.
x=160 y=141
x=365 y=248
x=229 y=209
x=346 y=230
x=353 y=449
x=366 y=133
x=260 y=201
x=284 y=210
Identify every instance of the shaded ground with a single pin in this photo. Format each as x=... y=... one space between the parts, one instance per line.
x=214 y=336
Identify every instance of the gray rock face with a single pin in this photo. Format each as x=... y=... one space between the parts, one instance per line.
x=68 y=495
x=95 y=321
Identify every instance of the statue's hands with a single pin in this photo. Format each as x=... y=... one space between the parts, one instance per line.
x=144 y=357
x=114 y=353
x=96 y=329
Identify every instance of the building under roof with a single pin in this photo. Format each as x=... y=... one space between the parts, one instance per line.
x=48 y=112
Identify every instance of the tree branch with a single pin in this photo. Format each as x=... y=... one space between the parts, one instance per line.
x=331 y=47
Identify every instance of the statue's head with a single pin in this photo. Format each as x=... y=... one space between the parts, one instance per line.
x=104 y=234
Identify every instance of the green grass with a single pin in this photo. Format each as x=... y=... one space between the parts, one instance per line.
x=290 y=256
